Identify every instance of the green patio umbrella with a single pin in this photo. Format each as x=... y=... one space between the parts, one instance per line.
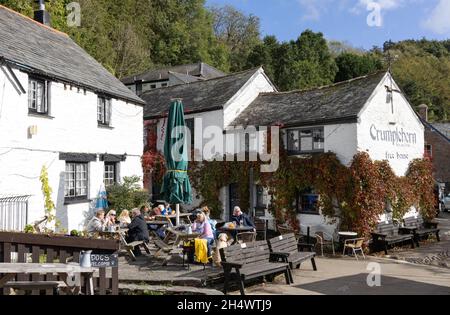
x=176 y=188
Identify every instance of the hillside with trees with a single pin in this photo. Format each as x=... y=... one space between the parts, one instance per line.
x=128 y=39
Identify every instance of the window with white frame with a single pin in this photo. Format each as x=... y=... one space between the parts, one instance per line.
x=38 y=96
x=110 y=175
x=76 y=181
x=305 y=140
x=104 y=111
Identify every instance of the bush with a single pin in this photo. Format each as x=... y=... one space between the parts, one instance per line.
x=127 y=195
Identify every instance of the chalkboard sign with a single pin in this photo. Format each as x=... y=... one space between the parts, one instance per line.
x=104 y=260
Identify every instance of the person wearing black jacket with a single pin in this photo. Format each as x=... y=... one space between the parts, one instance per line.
x=241 y=219
x=137 y=230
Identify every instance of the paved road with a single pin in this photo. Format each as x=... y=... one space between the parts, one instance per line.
x=429 y=274
x=349 y=277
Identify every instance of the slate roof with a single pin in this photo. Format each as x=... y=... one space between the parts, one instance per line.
x=186 y=78
x=443 y=128
x=198 y=96
x=338 y=102
x=200 y=69
x=39 y=49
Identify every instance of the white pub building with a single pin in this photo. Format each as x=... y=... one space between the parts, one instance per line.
x=61 y=109
x=365 y=114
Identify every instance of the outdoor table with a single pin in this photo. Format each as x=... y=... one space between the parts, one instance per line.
x=236 y=230
x=65 y=271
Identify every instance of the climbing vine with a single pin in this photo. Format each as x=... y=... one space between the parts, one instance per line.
x=49 y=205
x=356 y=195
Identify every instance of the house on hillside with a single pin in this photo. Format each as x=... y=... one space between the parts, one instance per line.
x=159 y=78
x=437 y=148
x=61 y=109
x=364 y=114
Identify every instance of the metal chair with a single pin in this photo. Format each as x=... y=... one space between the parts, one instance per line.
x=246 y=237
x=355 y=245
x=324 y=239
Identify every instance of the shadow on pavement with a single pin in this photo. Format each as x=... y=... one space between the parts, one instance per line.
x=357 y=285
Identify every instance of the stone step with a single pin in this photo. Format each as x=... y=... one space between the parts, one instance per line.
x=146 y=289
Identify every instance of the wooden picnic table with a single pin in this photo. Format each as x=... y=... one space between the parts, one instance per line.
x=65 y=272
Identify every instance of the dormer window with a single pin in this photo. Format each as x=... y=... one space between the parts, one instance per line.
x=104 y=111
x=38 y=96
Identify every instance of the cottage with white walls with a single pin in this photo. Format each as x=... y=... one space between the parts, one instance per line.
x=364 y=114
x=61 y=109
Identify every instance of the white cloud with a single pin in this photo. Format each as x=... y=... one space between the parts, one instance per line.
x=313 y=9
x=385 y=5
x=439 y=19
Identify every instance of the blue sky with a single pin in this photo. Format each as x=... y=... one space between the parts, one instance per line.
x=347 y=20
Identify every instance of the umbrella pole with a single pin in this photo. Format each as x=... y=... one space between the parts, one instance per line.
x=178 y=214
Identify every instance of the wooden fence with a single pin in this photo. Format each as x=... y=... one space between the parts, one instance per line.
x=38 y=248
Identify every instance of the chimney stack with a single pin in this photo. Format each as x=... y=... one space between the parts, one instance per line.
x=423 y=112
x=41 y=15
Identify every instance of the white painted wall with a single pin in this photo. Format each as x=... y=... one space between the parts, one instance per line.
x=378 y=114
x=72 y=129
x=259 y=83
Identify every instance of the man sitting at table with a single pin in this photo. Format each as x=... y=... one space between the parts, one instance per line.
x=241 y=219
x=137 y=230
x=97 y=223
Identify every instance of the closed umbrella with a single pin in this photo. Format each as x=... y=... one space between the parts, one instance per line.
x=176 y=188
x=102 y=199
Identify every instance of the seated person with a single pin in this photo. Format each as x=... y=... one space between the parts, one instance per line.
x=145 y=210
x=202 y=226
x=124 y=218
x=241 y=219
x=212 y=222
x=137 y=230
x=159 y=230
x=97 y=223
x=111 y=219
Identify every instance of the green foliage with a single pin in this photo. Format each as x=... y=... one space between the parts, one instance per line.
x=239 y=33
x=422 y=70
x=47 y=191
x=352 y=66
x=304 y=63
x=127 y=195
x=29 y=229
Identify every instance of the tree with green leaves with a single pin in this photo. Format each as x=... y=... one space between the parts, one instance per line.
x=238 y=32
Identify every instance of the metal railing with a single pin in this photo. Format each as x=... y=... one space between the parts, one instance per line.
x=13 y=213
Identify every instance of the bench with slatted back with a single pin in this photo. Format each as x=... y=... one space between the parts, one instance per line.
x=387 y=234
x=244 y=262
x=285 y=248
x=420 y=228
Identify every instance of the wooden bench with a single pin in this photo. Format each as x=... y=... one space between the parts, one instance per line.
x=129 y=247
x=250 y=261
x=286 y=249
x=419 y=228
x=387 y=235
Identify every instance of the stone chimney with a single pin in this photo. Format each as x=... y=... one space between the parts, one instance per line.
x=423 y=112
x=41 y=15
